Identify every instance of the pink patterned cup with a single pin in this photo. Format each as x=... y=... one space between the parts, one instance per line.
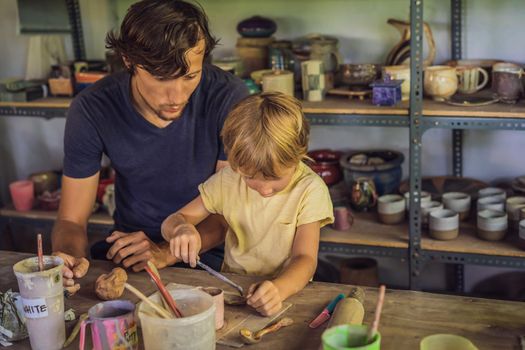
x=22 y=193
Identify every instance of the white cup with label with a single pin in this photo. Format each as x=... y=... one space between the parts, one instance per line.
x=43 y=301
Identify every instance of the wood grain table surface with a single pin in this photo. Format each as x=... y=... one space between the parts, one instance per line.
x=407 y=317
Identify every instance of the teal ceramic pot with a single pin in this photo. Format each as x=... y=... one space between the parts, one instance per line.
x=383 y=166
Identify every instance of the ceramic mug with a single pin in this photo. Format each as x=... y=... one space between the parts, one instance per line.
x=506 y=81
x=400 y=72
x=391 y=209
x=218 y=299
x=492 y=192
x=343 y=219
x=444 y=224
x=469 y=79
x=113 y=326
x=513 y=206
x=424 y=196
x=492 y=202
x=427 y=208
x=440 y=82
x=492 y=225
x=313 y=80
x=22 y=194
x=458 y=202
x=280 y=80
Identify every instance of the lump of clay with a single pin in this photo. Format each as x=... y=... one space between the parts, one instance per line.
x=110 y=286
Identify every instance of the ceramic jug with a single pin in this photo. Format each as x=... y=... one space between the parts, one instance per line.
x=363 y=194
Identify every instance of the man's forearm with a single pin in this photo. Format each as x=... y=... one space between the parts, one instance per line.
x=70 y=238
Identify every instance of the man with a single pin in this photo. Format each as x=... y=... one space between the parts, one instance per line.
x=159 y=123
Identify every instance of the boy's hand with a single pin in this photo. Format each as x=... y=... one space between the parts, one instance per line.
x=185 y=244
x=265 y=298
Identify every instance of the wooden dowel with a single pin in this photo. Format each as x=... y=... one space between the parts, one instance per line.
x=145 y=299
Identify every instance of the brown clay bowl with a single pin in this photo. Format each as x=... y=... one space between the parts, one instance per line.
x=359 y=75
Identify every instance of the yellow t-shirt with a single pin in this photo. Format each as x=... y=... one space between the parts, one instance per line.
x=262 y=230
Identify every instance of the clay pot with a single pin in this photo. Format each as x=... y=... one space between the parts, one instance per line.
x=326 y=165
x=360 y=75
x=256 y=27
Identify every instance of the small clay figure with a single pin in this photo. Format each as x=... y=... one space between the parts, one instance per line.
x=111 y=286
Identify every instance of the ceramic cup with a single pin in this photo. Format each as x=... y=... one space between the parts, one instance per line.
x=522 y=234
x=218 y=299
x=391 y=209
x=313 y=80
x=440 y=82
x=22 y=194
x=444 y=224
x=281 y=81
x=400 y=72
x=506 y=81
x=513 y=206
x=492 y=202
x=458 y=202
x=469 y=79
x=425 y=198
x=493 y=192
x=522 y=213
x=427 y=208
x=343 y=219
x=492 y=225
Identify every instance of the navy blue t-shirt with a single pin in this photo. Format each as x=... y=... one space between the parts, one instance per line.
x=157 y=169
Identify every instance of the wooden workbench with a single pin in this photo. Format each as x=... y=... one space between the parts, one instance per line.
x=407 y=316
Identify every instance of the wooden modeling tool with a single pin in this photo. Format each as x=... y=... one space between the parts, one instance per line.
x=161 y=311
x=162 y=289
x=373 y=330
x=220 y=276
x=250 y=337
x=40 y=252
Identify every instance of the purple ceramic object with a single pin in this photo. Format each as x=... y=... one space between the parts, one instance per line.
x=256 y=27
x=386 y=92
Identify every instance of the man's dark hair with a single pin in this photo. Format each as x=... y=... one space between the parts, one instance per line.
x=156 y=35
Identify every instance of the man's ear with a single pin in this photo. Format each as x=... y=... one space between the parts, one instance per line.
x=126 y=61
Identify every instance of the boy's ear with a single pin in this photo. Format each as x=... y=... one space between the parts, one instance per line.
x=127 y=62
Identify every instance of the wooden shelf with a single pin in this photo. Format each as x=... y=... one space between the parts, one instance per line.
x=367 y=230
x=98 y=218
x=340 y=105
x=468 y=243
x=49 y=102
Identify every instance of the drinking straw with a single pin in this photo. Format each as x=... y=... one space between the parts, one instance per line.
x=161 y=311
x=163 y=291
x=40 y=252
x=379 y=306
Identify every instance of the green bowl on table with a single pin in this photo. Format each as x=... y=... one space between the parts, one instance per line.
x=349 y=337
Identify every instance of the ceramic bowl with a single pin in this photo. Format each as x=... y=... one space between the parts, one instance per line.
x=326 y=165
x=256 y=27
x=360 y=75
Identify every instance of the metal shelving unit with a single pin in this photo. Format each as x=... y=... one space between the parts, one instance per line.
x=417 y=115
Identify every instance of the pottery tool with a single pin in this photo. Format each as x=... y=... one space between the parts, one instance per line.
x=373 y=330
x=75 y=330
x=220 y=276
x=40 y=252
x=163 y=291
x=350 y=310
x=250 y=337
x=161 y=311
x=327 y=311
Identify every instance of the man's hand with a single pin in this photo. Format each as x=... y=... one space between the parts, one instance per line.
x=265 y=298
x=135 y=249
x=73 y=268
x=185 y=244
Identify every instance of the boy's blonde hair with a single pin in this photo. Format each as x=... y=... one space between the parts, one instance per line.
x=265 y=133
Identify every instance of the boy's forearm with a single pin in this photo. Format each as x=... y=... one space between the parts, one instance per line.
x=295 y=276
x=170 y=223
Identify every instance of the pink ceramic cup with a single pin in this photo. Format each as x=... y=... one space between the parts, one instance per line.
x=22 y=193
x=343 y=219
x=218 y=299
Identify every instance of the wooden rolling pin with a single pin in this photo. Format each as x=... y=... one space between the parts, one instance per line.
x=349 y=310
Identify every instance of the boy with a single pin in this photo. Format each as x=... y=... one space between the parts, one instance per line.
x=273 y=204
